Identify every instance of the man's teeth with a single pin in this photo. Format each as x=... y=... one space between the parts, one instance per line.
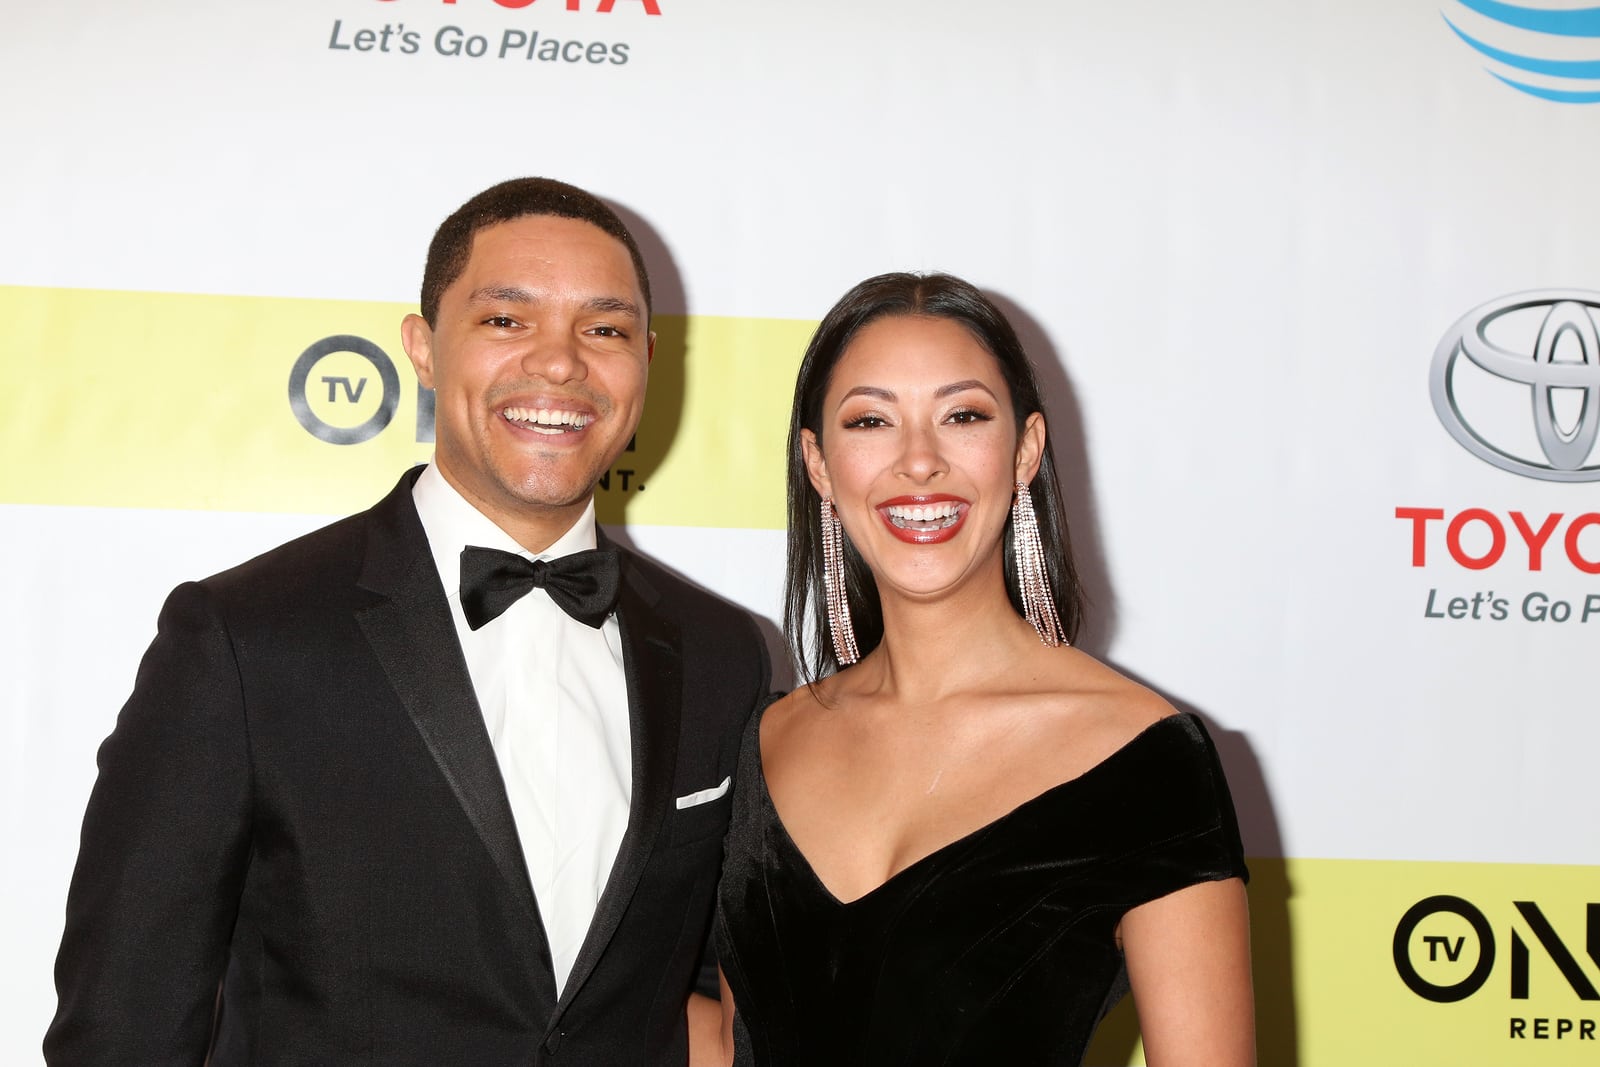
x=546 y=420
x=925 y=516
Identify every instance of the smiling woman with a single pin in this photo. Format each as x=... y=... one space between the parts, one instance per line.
x=923 y=318
x=918 y=452
x=962 y=839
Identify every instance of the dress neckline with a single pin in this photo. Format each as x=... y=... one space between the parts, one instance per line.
x=967 y=838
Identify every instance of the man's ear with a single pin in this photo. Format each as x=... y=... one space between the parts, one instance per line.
x=816 y=466
x=650 y=349
x=417 y=338
x=1030 y=448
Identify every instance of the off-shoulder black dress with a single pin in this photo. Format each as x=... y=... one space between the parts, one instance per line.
x=997 y=948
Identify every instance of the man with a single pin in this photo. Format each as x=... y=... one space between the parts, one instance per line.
x=383 y=795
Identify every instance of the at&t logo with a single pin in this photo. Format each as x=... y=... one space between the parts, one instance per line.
x=1549 y=50
x=1517 y=383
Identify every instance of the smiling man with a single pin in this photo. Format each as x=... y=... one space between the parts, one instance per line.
x=445 y=782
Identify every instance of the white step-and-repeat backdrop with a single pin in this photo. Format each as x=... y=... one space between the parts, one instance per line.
x=1314 y=287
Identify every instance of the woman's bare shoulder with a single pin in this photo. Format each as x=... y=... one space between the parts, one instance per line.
x=1094 y=710
x=792 y=715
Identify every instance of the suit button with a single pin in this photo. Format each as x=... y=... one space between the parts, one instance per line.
x=552 y=1043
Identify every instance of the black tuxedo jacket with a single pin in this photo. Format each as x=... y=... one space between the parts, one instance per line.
x=299 y=849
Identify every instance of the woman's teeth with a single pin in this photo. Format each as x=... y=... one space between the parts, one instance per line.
x=924 y=517
x=546 y=420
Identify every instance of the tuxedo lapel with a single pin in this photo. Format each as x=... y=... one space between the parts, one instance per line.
x=413 y=636
x=652 y=665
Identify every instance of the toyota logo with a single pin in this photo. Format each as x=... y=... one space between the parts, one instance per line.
x=1554 y=357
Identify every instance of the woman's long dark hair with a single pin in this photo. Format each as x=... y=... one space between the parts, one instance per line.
x=943 y=296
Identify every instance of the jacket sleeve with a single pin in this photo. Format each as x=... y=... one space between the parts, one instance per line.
x=707 y=981
x=162 y=857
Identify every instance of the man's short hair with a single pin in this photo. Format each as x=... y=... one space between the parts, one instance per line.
x=451 y=246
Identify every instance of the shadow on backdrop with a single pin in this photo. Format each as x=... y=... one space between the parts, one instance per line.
x=663 y=414
x=1071 y=451
x=669 y=375
x=1271 y=960
x=1271 y=953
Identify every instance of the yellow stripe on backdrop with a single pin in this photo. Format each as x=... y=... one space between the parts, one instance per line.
x=182 y=401
x=1410 y=964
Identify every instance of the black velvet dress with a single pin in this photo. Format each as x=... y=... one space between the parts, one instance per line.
x=996 y=949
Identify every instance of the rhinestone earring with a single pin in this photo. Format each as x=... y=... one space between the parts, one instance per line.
x=833 y=584
x=1038 y=605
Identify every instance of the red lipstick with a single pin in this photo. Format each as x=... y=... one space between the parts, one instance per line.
x=928 y=519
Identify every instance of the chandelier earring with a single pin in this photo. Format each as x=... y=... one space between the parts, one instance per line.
x=833 y=585
x=1038 y=605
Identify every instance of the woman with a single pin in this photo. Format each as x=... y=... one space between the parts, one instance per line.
x=948 y=842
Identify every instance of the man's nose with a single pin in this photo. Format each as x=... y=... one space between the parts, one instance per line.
x=554 y=355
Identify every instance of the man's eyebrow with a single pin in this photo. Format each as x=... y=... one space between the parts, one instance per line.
x=501 y=294
x=513 y=294
x=615 y=304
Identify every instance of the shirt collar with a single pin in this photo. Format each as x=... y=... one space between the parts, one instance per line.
x=452 y=524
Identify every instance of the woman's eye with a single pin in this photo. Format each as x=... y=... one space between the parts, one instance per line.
x=865 y=422
x=967 y=415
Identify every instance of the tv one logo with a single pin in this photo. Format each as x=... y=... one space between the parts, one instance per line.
x=1516 y=382
x=331 y=395
x=1445 y=950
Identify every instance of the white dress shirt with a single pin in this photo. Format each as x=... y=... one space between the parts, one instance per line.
x=555 y=701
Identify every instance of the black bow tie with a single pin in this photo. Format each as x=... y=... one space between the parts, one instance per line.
x=584 y=584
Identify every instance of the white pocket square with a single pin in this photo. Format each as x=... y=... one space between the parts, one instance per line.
x=705 y=796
